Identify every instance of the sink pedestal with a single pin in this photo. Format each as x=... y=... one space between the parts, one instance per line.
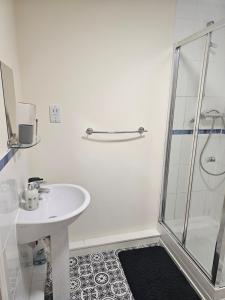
x=60 y=265
x=57 y=210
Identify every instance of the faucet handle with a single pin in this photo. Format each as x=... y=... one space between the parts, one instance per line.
x=37 y=181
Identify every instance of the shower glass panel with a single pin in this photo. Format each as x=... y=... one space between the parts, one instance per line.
x=208 y=186
x=185 y=105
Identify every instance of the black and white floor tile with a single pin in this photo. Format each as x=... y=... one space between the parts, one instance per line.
x=96 y=276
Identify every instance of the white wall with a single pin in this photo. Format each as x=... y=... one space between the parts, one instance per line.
x=107 y=63
x=13 y=175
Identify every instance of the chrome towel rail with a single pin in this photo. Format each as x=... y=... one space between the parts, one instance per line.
x=140 y=130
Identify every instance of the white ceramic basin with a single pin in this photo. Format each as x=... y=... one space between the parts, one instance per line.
x=60 y=207
x=57 y=210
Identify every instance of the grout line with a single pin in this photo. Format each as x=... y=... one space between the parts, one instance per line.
x=200 y=131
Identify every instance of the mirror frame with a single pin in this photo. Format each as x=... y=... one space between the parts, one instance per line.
x=10 y=107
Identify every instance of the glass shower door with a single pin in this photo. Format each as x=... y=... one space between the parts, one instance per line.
x=208 y=186
x=181 y=132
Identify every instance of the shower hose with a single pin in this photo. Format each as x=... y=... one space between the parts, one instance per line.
x=205 y=146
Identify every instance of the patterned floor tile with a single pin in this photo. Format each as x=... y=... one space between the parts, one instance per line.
x=96 y=276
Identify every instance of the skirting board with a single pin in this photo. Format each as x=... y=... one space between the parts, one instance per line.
x=125 y=240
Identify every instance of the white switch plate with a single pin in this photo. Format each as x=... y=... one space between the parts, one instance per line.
x=54 y=113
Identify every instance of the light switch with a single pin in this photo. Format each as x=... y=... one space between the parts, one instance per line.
x=54 y=113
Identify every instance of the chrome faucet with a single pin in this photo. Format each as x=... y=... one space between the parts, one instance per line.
x=43 y=190
x=36 y=182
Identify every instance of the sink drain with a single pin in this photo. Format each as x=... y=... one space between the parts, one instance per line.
x=52 y=217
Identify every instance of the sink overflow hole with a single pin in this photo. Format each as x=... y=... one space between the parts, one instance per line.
x=52 y=217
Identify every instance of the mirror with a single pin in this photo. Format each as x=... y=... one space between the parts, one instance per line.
x=20 y=117
x=9 y=101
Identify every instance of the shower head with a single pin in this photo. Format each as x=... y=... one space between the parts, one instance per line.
x=212 y=114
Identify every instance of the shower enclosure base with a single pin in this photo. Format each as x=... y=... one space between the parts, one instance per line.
x=201 y=238
x=192 y=271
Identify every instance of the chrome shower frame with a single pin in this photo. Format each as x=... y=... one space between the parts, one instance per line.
x=219 y=254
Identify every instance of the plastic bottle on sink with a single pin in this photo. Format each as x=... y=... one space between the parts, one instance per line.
x=39 y=255
x=31 y=201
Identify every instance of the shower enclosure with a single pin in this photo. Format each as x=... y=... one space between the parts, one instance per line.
x=193 y=205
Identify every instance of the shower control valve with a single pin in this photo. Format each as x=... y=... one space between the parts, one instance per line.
x=210 y=159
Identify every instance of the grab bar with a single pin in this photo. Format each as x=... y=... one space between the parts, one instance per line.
x=140 y=130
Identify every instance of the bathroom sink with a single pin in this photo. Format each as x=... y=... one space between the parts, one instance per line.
x=59 y=207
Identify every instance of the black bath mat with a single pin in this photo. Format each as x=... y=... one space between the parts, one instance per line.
x=152 y=275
